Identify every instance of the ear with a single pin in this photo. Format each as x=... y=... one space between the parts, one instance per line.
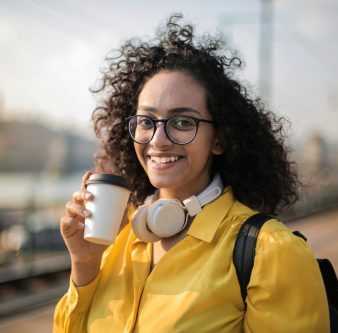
x=217 y=147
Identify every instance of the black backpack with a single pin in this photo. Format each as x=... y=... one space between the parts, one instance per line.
x=244 y=254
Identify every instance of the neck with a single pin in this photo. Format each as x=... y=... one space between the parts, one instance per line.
x=181 y=193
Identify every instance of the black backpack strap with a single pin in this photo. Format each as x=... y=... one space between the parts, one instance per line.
x=330 y=281
x=331 y=287
x=244 y=250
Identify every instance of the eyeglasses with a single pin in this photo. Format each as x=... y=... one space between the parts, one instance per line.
x=179 y=129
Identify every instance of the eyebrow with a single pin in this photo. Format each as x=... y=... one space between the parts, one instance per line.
x=170 y=111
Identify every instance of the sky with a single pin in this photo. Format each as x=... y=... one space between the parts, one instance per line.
x=51 y=53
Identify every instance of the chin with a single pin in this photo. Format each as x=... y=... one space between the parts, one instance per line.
x=163 y=181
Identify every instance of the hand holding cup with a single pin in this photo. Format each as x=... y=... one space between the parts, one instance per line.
x=72 y=227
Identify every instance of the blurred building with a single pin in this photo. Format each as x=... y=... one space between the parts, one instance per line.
x=35 y=148
x=317 y=160
x=317 y=167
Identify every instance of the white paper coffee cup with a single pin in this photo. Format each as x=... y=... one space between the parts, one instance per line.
x=111 y=194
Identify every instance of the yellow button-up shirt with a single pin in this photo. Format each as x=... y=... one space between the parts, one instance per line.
x=194 y=287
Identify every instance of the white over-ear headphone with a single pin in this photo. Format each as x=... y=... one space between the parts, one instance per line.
x=167 y=217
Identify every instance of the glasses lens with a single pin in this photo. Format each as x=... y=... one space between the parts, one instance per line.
x=141 y=129
x=181 y=129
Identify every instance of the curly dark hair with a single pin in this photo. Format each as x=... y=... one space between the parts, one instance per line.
x=255 y=159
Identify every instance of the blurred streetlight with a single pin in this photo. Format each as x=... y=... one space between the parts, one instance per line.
x=265 y=41
x=266 y=48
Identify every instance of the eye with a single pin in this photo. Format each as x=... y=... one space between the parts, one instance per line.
x=182 y=123
x=144 y=122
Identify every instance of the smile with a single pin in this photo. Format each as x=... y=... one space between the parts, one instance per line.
x=163 y=160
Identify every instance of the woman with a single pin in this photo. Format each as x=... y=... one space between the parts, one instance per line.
x=172 y=121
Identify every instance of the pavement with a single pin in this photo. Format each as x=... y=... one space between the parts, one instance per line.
x=37 y=321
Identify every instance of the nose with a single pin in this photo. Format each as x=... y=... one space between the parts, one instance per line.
x=160 y=138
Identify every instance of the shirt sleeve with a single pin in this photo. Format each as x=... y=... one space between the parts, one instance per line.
x=286 y=292
x=71 y=312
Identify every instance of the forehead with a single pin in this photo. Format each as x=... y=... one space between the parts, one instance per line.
x=168 y=90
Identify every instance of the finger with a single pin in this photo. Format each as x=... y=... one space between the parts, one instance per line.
x=84 y=179
x=68 y=226
x=73 y=210
x=79 y=197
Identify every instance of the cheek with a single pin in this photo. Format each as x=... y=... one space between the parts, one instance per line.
x=139 y=150
x=204 y=142
x=200 y=151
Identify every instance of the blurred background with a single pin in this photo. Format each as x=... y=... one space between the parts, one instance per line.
x=51 y=53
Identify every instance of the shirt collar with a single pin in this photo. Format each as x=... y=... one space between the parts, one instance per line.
x=207 y=221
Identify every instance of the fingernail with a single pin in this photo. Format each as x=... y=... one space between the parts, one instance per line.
x=80 y=226
x=87 y=195
x=86 y=212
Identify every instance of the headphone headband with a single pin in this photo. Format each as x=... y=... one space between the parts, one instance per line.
x=194 y=203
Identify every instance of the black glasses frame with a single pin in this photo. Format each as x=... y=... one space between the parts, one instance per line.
x=165 y=123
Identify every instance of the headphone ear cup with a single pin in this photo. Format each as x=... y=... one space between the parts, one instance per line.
x=166 y=217
x=139 y=225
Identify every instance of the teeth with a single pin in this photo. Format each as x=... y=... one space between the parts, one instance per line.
x=164 y=159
